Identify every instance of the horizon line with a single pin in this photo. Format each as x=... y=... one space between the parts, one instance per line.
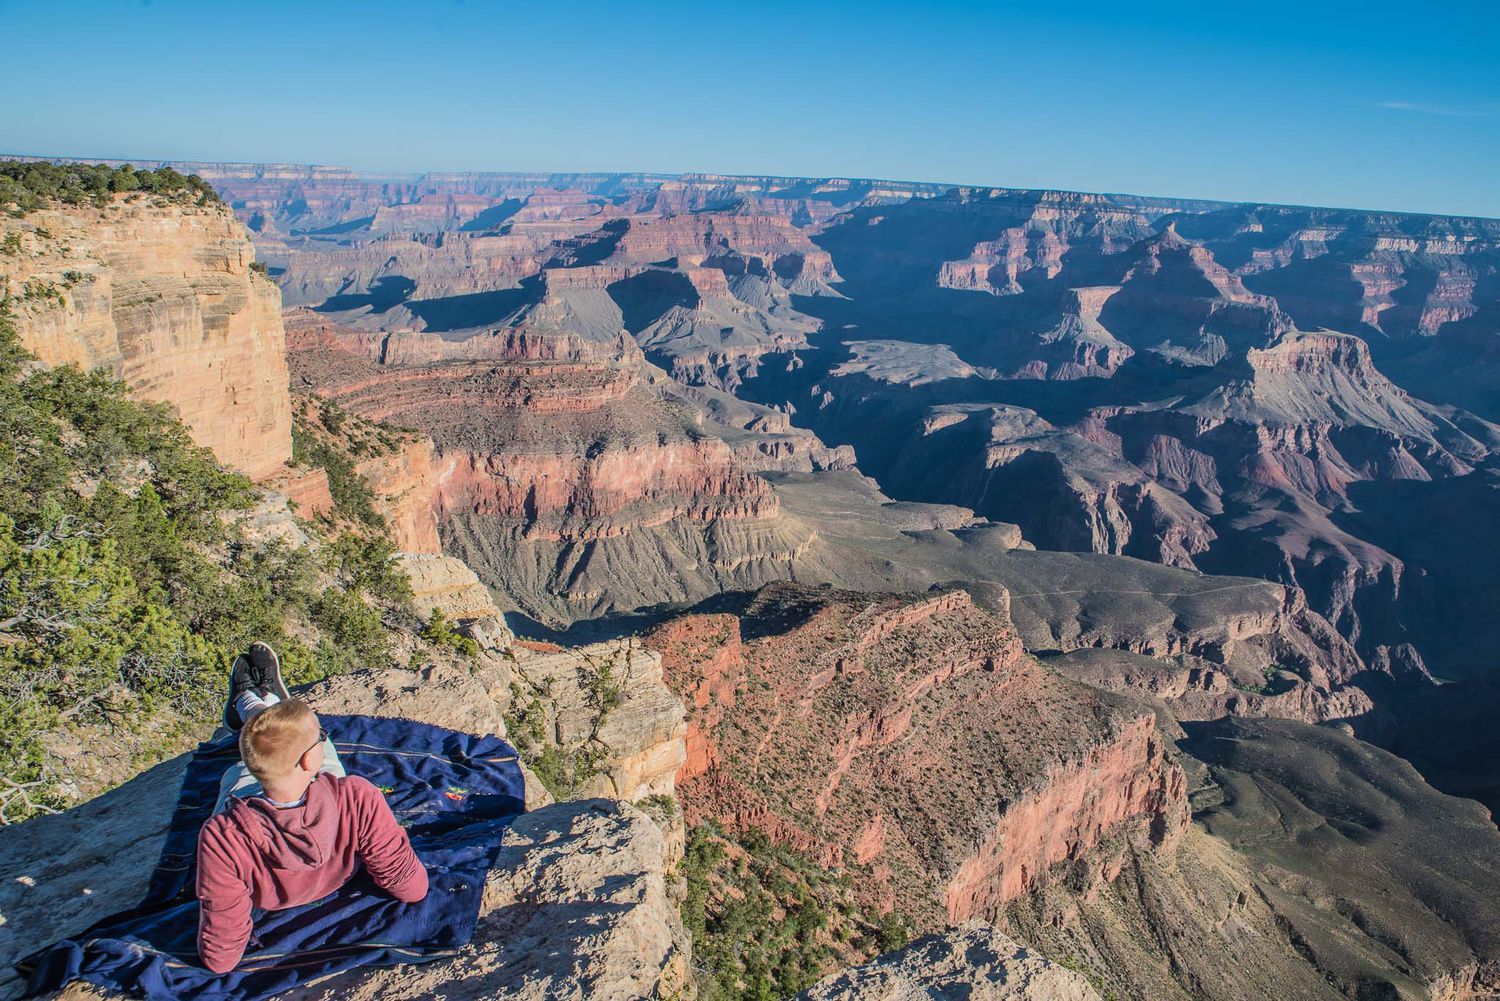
x=680 y=175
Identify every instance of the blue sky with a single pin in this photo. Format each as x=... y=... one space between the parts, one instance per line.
x=1366 y=105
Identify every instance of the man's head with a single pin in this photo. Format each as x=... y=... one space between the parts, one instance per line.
x=280 y=745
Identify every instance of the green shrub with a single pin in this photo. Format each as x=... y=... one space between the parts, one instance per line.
x=440 y=633
x=25 y=186
x=354 y=633
x=766 y=921
x=564 y=771
x=603 y=690
x=124 y=589
x=352 y=497
x=367 y=563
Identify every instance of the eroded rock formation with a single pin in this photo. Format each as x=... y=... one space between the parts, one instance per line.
x=912 y=739
x=563 y=462
x=163 y=297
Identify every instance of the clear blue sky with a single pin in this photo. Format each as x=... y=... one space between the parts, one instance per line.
x=1374 y=105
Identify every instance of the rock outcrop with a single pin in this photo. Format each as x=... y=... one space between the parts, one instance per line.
x=580 y=904
x=446 y=583
x=975 y=961
x=162 y=296
x=404 y=482
x=566 y=470
x=581 y=900
x=909 y=738
x=609 y=700
x=1304 y=869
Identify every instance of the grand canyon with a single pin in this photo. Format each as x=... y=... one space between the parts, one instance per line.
x=1097 y=590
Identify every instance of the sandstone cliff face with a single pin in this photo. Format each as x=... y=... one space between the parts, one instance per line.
x=611 y=697
x=447 y=583
x=163 y=298
x=405 y=486
x=911 y=740
x=1126 y=778
x=1297 y=868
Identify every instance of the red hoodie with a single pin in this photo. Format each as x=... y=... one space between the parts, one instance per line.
x=254 y=854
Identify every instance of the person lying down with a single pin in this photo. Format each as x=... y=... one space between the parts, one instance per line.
x=290 y=825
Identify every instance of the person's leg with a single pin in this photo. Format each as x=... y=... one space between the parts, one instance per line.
x=250 y=704
x=237 y=780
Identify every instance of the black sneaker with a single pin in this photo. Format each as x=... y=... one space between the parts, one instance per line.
x=268 y=670
x=242 y=678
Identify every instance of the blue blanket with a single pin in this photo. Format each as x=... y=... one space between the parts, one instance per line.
x=455 y=794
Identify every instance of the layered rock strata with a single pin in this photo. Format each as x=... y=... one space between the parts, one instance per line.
x=910 y=739
x=1326 y=868
x=1219 y=435
x=610 y=698
x=567 y=470
x=161 y=296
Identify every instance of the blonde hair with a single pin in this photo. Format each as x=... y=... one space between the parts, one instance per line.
x=274 y=740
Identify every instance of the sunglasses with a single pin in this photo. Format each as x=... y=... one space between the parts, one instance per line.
x=322 y=736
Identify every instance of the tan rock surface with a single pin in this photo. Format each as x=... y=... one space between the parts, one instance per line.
x=642 y=730
x=164 y=298
x=975 y=962
x=446 y=582
x=579 y=905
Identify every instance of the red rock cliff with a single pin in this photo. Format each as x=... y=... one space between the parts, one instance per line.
x=560 y=461
x=909 y=738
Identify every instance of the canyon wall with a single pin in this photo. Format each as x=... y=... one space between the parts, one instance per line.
x=911 y=740
x=574 y=477
x=163 y=297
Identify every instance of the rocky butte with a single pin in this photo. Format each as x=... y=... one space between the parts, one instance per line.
x=912 y=738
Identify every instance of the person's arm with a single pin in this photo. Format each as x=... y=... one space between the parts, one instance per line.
x=224 y=923
x=383 y=845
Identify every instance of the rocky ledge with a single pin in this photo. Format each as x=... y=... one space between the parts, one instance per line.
x=580 y=904
x=974 y=962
